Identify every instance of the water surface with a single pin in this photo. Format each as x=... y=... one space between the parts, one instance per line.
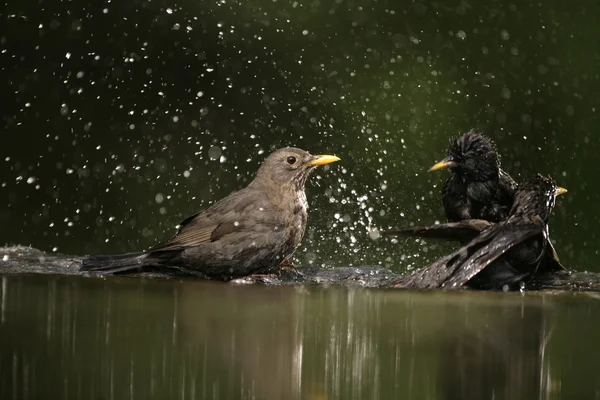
x=120 y=338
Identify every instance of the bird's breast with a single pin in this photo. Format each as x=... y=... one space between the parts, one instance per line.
x=298 y=220
x=289 y=222
x=302 y=202
x=300 y=214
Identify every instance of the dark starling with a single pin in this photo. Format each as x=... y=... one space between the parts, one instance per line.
x=251 y=231
x=498 y=254
x=478 y=188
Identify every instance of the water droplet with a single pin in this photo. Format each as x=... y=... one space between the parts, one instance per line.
x=214 y=153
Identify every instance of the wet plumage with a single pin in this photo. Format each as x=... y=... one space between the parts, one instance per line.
x=497 y=254
x=478 y=188
x=250 y=231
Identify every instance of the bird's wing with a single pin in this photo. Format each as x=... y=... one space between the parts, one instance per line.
x=222 y=218
x=193 y=230
x=455 y=269
x=506 y=190
x=507 y=183
x=460 y=231
x=551 y=262
x=487 y=248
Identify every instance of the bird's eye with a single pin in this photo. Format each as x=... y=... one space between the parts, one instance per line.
x=291 y=160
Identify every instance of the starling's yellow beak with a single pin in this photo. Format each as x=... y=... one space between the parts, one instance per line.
x=447 y=162
x=322 y=160
x=559 y=191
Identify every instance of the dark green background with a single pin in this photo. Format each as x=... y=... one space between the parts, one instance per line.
x=100 y=112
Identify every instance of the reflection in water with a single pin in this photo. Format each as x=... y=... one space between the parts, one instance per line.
x=499 y=354
x=138 y=339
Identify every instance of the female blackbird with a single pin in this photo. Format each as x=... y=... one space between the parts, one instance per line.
x=498 y=254
x=250 y=231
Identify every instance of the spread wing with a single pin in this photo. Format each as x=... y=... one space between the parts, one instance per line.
x=222 y=218
x=460 y=231
x=455 y=269
x=484 y=252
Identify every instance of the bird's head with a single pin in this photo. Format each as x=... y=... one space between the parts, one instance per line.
x=290 y=165
x=472 y=155
x=536 y=196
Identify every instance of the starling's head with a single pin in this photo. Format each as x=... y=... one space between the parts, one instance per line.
x=536 y=196
x=290 y=165
x=472 y=155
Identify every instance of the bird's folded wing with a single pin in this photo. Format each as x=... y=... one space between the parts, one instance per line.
x=507 y=183
x=194 y=230
x=222 y=218
x=460 y=231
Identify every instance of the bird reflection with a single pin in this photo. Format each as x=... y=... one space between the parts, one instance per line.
x=256 y=346
x=303 y=343
x=498 y=355
x=135 y=339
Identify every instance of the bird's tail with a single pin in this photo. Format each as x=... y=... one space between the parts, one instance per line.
x=113 y=264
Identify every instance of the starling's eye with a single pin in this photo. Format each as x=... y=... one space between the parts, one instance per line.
x=291 y=160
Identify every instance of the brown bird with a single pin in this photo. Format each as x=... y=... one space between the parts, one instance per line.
x=250 y=231
x=497 y=254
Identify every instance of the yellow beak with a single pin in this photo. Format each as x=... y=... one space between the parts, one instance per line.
x=322 y=160
x=559 y=191
x=447 y=162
